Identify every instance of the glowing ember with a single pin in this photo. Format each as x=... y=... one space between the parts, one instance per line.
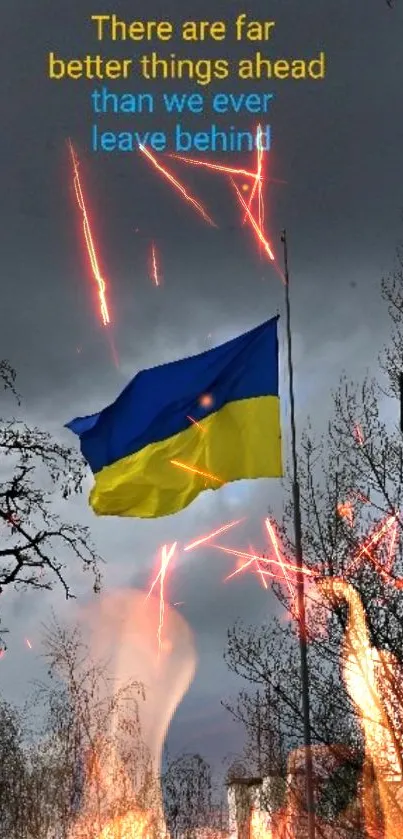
x=189 y=468
x=387 y=528
x=206 y=400
x=165 y=560
x=203 y=539
x=346 y=511
x=119 y=628
x=177 y=184
x=89 y=240
x=28 y=643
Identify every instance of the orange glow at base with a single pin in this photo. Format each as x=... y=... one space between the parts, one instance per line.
x=89 y=240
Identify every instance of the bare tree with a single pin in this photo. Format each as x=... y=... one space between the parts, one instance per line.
x=101 y=769
x=351 y=483
x=36 y=544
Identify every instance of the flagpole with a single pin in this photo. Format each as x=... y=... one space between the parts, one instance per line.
x=298 y=556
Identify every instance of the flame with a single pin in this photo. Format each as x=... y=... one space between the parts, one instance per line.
x=120 y=628
x=370 y=677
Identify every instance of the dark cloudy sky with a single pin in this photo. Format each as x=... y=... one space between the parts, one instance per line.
x=337 y=143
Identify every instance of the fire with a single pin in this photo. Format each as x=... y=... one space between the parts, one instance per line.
x=91 y=250
x=120 y=629
x=371 y=677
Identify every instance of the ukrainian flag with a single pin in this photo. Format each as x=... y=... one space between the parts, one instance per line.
x=187 y=426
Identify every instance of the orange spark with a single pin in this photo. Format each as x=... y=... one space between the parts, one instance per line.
x=196 y=471
x=346 y=511
x=28 y=643
x=165 y=560
x=259 y=233
x=177 y=184
x=259 y=571
x=210 y=536
x=154 y=266
x=89 y=240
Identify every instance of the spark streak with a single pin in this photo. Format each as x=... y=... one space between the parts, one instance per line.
x=251 y=558
x=165 y=560
x=216 y=167
x=200 y=427
x=280 y=559
x=358 y=435
x=257 y=180
x=204 y=539
x=380 y=532
x=189 y=468
x=89 y=240
x=177 y=184
x=259 y=232
x=28 y=643
x=154 y=265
